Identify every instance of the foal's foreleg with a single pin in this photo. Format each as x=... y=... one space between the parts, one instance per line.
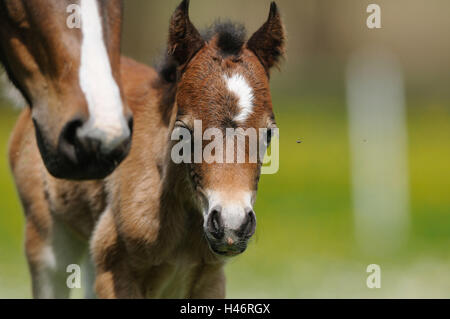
x=114 y=279
x=49 y=253
x=210 y=283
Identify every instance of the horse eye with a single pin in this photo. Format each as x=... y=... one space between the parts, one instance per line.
x=182 y=132
x=183 y=138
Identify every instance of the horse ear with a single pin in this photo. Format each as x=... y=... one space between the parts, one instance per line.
x=268 y=43
x=184 y=39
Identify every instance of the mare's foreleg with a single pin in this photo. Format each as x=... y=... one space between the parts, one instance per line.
x=210 y=283
x=49 y=252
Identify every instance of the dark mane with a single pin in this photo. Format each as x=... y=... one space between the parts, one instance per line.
x=230 y=40
x=231 y=36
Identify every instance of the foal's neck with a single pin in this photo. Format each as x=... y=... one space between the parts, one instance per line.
x=178 y=191
x=180 y=216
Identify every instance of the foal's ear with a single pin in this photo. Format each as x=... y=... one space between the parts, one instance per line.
x=184 y=39
x=268 y=43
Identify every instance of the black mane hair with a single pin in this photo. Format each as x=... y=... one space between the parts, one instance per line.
x=230 y=36
x=230 y=40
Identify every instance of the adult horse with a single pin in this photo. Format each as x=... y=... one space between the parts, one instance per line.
x=70 y=78
x=165 y=229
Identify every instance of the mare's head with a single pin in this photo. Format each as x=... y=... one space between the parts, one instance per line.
x=63 y=56
x=223 y=84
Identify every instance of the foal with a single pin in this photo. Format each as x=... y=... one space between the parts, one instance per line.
x=169 y=228
x=70 y=79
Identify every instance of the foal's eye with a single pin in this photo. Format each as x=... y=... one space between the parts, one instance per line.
x=182 y=131
x=180 y=124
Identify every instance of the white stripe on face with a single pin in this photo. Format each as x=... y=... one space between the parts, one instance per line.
x=239 y=86
x=106 y=121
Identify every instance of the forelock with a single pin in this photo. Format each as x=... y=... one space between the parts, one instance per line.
x=230 y=36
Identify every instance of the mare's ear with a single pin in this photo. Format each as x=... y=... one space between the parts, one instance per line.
x=268 y=43
x=184 y=39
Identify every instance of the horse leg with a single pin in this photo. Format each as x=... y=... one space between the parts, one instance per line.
x=210 y=283
x=114 y=278
x=48 y=257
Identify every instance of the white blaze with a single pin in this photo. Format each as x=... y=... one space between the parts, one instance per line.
x=106 y=120
x=239 y=86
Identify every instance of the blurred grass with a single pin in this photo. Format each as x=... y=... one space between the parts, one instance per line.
x=14 y=281
x=305 y=245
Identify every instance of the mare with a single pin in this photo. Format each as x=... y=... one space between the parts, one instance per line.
x=70 y=79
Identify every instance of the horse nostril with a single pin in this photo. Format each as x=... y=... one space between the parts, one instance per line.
x=69 y=133
x=68 y=139
x=104 y=143
x=249 y=226
x=130 y=124
x=215 y=223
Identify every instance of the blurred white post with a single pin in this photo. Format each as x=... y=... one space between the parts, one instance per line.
x=378 y=145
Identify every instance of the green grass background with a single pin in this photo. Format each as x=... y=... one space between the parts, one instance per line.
x=305 y=245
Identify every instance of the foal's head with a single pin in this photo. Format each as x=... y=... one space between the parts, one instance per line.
x=223 y=83
x=63 y=56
